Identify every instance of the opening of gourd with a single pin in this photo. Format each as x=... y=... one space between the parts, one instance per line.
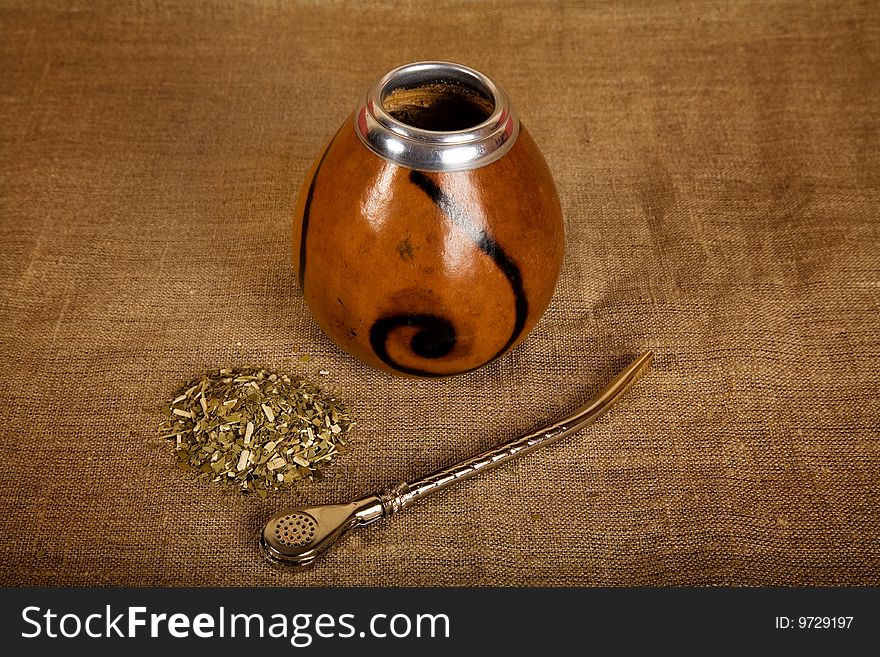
x=439 y=105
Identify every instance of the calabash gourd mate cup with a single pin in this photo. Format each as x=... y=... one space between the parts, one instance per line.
x=428 y=235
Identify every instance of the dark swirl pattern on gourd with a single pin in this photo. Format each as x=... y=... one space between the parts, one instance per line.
x=436 y=337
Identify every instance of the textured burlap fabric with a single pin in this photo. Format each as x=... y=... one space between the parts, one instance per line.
x=718 y=170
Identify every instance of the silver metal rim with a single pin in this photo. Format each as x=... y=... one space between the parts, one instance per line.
x=430 y=150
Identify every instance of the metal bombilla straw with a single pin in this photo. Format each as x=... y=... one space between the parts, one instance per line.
x=295 y=537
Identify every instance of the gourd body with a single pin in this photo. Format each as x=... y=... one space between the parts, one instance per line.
x=427 y=273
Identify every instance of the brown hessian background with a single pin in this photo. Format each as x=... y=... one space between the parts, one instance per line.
x=718 y=169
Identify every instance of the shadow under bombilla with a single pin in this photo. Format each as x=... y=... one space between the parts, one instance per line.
x=295 y=537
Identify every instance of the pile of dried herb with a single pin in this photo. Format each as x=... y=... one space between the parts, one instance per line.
x=256 y=428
